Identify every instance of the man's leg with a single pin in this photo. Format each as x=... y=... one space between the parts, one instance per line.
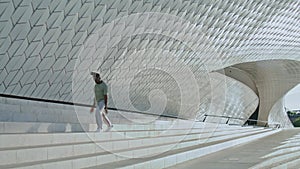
x=98 y=114
x=107 y=121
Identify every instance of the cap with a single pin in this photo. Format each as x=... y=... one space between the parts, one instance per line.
x=95 y=73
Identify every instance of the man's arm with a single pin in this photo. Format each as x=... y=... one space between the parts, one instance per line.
x=105 y=98
x=94 y=103
x=105 y=103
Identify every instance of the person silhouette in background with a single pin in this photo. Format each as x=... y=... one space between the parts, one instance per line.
x=100 y=90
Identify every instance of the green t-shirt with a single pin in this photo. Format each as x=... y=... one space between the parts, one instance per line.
x=100 y=91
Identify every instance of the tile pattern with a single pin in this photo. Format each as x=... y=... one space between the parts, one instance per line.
x=47 y=48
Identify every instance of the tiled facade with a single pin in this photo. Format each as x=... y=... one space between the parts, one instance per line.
x=158 y=56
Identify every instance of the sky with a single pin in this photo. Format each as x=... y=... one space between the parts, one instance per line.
x=292 y=99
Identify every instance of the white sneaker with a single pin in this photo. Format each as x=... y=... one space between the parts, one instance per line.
x=98 y=130
x=109 y=127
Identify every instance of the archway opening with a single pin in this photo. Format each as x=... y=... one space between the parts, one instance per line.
x=292 y=105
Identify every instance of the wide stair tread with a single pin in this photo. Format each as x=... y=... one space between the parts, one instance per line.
x=131 y=161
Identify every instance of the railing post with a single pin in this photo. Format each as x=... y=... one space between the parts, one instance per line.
x=227 y=120
x=204 y=118
x=247 y=120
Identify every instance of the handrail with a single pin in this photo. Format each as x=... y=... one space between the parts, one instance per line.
x=84 y=105
x=277 y=125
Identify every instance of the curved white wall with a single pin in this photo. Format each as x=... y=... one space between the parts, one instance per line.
x=241 y=76
x=230 y=98
x=273 y=80
x=279 y=116
x=48 y=48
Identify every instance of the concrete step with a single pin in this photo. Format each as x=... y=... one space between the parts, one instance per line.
x=29 y=113
x=43 y=127
x=292 y=164
x=179 y=156
x=146 y=149
x=46 y=127
x=119 y=131
x=283 y=156
x=24 y=102
x=15 y=110
x=44 y=117
x=52 y=151
x=275 y=161
x=116 y=159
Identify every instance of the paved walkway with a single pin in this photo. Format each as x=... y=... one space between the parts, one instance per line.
x=240 y=157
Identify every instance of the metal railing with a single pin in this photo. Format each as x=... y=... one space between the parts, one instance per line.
x=277 y=125
x=266 y=124
x=86 y=105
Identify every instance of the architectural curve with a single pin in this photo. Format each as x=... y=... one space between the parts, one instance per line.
x=48 y=48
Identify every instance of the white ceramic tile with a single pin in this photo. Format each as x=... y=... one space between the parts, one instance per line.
x=8 y=157
x=29 y=155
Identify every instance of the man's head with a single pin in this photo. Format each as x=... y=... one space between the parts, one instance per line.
x=96 y=76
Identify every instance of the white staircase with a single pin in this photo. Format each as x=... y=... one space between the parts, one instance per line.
x=157 y=145
x=42 y=135
x=21 y=116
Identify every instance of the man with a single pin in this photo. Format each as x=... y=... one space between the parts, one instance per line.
x=100 y=90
